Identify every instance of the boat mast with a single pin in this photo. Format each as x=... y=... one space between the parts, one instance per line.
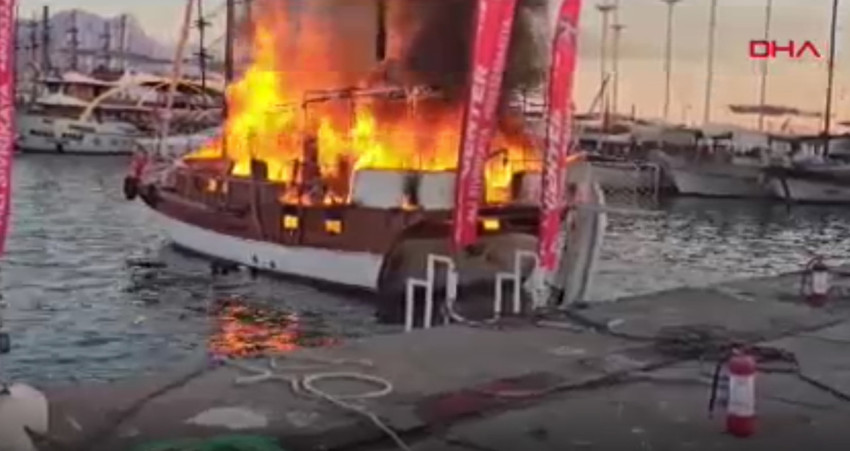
x=176 y=75
x=709 y=76
x=763 y=83
x=605 y=9
x=122 y=42
x=45 y=40
x=107 y=45
x=668 y=57
x=74 y=38
x=228 y=40
x=830 y=76
x=202 y=25
x=229 y=24
x=381 y=35
x=615 y=69
x=33 y=57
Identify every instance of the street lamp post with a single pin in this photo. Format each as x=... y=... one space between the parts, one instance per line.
x=668 y=56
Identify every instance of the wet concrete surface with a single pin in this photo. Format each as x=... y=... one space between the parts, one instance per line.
x=489 y=387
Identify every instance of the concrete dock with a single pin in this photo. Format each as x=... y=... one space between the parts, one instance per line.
x=520 y=386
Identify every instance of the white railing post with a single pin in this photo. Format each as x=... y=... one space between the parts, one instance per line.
x=428 y=284
x=516 y=277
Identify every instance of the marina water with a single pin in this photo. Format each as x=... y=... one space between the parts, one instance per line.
x=93 y=291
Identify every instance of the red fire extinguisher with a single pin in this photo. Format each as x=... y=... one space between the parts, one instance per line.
x=740 y=371
x=816 y=282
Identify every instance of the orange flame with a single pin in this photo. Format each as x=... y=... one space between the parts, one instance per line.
x=245 y=331
x=267 y=120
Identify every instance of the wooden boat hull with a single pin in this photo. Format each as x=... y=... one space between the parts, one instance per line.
x=354 y=269
x=376 y=249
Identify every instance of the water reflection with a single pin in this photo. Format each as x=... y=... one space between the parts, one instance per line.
x=78 y=311
x=245 y=330
x=703 y=241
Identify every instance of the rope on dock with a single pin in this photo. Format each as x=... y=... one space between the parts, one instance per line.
x=306 y=384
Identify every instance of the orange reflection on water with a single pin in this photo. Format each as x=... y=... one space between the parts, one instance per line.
x=243 y=330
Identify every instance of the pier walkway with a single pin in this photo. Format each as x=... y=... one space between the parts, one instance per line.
x=518 y=387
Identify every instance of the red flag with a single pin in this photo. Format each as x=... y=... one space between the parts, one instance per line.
x=7 y=111
x=558 y=131
x=492 y=38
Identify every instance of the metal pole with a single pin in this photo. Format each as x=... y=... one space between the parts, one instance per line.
x=46 y=65
x=615 y=91
x=709 y=76
x=605 y=9
x=228 y=41
x=763 y=83
x=202 y=50
x=830 y=75
x=668 y=57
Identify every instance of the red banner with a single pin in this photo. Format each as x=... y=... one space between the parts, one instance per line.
x=492 y=38
x=8 y=30
x=558 y=131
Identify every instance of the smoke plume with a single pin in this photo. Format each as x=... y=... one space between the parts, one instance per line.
x=438 y=37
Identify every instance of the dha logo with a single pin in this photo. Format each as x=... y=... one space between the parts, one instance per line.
x=762 y=49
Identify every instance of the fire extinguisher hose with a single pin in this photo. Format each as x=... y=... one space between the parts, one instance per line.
x=712 y=343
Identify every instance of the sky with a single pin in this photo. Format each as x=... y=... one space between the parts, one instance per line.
x=798 y=83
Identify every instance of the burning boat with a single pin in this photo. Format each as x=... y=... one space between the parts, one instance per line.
x=352 y=186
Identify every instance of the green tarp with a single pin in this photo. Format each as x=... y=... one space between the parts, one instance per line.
x=228 y=443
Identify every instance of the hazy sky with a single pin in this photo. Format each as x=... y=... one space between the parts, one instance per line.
x=795 y=83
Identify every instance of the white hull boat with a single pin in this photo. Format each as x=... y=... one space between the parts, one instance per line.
x=822 y=185
x=742 y=177
x=612 y=174
x=42 y=134
x=718 y=182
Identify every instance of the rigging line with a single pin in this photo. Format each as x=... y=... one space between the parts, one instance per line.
x=215 y=12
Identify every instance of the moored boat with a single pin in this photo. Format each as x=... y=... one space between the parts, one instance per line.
x=812 y=177
x=79 y=114
x=364 y=227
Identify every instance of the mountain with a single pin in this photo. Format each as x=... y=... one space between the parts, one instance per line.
x=91 y=32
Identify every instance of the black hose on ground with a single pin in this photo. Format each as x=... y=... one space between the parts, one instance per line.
x=712 y=343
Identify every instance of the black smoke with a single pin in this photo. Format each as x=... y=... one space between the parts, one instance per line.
x=440 y=36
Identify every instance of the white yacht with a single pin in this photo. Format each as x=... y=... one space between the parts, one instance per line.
x=812 y=177
x=84 y=115
x=723 y=163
